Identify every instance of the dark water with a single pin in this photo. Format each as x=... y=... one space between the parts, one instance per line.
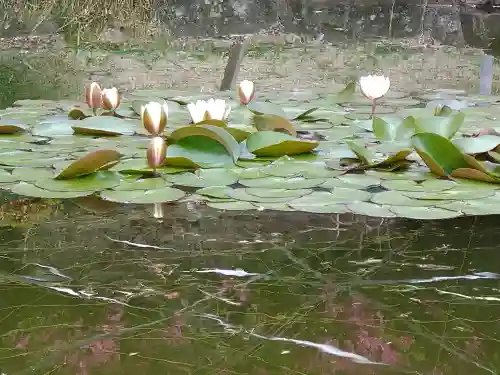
x=88 y=288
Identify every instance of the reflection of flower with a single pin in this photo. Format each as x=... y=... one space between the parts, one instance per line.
x=110 y=98
x=374 y=87
x=154 y=117
x=246 y=91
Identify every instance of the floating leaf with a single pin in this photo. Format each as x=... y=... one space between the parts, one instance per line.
x=94 y=161
x=104 y=126
x=392 y=129
x=77 y=114
x=11 y=126
x=268 y=143
x=445 y=126
x=93 y=182
x=204 y=178
x=142 y=184
x=265 y=108
x=477 y=145
x=424 y=213
x=441 y=156
x=161 y=195
x=306 y=115
x=282 y=183
x=274 y=123
x=209 y=131
x=30 y=190
x=370 y=209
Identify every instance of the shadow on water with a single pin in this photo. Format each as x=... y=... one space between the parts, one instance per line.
x=91 y=289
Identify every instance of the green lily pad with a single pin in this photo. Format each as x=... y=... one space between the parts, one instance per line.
x=268 y=143
x=477 y=145
x=424 y=213
x=319 y=202
x=265 y=108
x=397 y=198
x=282 y=183
x=6 y=177
x=161 y=195
x=242 y=195
x=30 y=190
x=93 y=182
x=11 y=126
x=232 y=206
x=142 y=184
x=28 y=174
x=105 y=126
x=211 y=132
x=426 y=186
x=94 y=161
x=277 y=193
x=204 y=178
x=458 y=194
x=220 y=192
x=370 y=209
x=274 y=123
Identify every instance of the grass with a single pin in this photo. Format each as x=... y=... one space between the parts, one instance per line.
x=79 y=19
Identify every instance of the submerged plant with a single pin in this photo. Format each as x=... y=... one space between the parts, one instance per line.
x=374 y=87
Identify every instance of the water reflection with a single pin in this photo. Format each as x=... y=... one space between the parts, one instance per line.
x=116 y=291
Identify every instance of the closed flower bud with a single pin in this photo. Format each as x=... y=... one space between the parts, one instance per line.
x=110 y=99
x=93 y=95
x=246 y=91
x=157 y=151
x=154 y=117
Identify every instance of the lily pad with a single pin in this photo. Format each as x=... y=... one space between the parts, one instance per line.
x=424 y=213
x=204 y=178
x=161 y=195
x=104 y=126
x=11 y=126
x=265 y=108
x=93 y=182
x=274 y=123
x=95 y=161
x=268 y=143
x=30 y=190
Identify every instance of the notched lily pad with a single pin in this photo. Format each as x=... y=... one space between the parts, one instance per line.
x=161 y=195
x=11 y=126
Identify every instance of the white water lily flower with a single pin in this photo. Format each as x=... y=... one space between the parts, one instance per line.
x=246 y=91
x=93 y=95
x=110 y=98
x=198 y=111
x=154 y=117
x=374 y=87
x=217 y=110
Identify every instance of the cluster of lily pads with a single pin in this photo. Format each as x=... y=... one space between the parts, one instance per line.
x=376 y=152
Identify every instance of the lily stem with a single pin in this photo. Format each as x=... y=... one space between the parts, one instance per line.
x=374 y=105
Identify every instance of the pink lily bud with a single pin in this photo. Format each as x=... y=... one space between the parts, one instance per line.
x=110 y=99
x=93 y=95
x=157 y=151
x=154 y=117
x=246 y=91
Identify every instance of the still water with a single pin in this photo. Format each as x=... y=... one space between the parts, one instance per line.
x=88 y=287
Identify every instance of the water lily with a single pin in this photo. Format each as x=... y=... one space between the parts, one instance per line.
x=154 y=117
x=198 y=111
x=374 y=87
x=246 y=91
x=157 y=151
x=110 y=99
x=217 y=110
x=93 y=96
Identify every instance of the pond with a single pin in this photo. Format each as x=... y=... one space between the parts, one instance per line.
x=331 y=261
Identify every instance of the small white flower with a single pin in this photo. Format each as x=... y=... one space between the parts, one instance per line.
x=216 y=109
x=374 y=87
x=246 y=91
x=198 y=111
